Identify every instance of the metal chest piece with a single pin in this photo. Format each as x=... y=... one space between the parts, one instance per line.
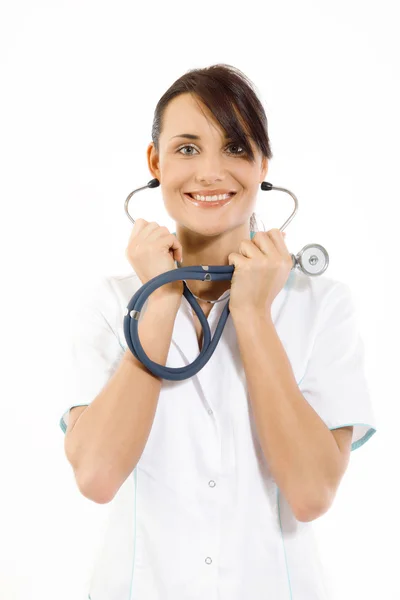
x=313 y=259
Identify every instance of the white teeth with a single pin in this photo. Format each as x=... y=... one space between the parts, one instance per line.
x=211 y=198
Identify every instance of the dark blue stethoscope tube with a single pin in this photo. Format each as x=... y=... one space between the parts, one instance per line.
x=132 y=313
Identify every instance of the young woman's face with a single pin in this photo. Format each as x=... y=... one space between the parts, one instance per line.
x=208 y=163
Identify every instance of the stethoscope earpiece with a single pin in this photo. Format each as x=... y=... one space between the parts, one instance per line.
x=153 y=183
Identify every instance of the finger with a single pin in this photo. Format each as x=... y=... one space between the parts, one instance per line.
x=278 y=239
x=265 y=243
x=250 y=248
x=236 y=259
x=139 y=225
x=150 y=227
x=137 y=229
x=169 y=242
x=175 y=246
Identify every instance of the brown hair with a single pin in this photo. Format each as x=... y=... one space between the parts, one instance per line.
x=226 y=92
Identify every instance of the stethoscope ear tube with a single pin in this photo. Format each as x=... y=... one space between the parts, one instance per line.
x=312 y=260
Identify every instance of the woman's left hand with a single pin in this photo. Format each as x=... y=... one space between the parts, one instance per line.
x=262 y=268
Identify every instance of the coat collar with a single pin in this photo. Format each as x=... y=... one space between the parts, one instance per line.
x=184 y=336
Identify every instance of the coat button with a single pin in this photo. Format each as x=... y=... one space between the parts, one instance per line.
x=208 y=560
x=211 y=483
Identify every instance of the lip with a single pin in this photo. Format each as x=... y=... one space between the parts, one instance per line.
x=204 y=204
x=211 y=192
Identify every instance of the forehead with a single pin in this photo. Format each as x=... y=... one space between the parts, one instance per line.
x=187 y=114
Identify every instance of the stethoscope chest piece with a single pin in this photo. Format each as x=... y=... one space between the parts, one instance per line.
x=313 y=259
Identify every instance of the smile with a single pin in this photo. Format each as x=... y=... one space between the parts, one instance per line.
x=209 y=201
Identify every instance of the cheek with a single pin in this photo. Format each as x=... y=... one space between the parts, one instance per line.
x=171 y=208
x=247 y=175
x=250 y=185
x=174 y=175
x=172 y=200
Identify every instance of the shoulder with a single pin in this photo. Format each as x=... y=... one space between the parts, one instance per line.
x=106 y=298
x=317 y=287
x=308 y=303
x=123 y=287
x=315 y=293
x=108 y=292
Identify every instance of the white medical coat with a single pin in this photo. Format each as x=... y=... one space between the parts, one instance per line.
x=201 y=517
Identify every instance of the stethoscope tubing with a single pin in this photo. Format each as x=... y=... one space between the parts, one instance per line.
x=266 y=186
x=200 y=273
x=132 y=315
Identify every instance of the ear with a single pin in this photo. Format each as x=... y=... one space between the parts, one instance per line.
x=264 y=168
x=153 y=161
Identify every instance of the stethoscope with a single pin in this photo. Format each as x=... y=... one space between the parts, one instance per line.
x=312 y=260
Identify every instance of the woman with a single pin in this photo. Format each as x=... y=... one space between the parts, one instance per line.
x=216 y=478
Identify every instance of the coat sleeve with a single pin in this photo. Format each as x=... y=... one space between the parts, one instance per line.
x=95 y=348
x=335 y=382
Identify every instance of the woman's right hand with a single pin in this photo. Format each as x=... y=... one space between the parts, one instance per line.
x=151 y=251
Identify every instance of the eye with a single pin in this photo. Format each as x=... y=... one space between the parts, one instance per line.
x=236 y=146
x=232 y=145
x=187 y=146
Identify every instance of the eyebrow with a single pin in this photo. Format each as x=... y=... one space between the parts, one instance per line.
x=190 y=136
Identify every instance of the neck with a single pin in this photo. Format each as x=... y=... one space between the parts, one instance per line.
x=203 y=249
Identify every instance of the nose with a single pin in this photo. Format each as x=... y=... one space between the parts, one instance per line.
x=210 y=169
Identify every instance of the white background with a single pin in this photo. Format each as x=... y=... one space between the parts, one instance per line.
x=80 y=81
